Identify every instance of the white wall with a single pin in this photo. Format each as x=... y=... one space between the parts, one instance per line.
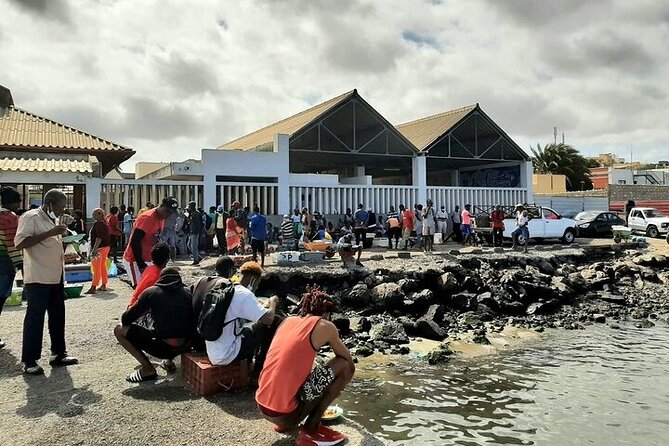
x=314 y=179
x=246 y=163
x=621 y=176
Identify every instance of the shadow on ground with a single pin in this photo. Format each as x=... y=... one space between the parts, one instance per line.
x=55 y=393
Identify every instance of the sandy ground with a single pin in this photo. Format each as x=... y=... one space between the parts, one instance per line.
x=92 y=404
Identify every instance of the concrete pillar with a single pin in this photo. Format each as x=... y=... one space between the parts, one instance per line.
x=419 y=177
x=281 y=147
x=526 y=172
x=93 y=191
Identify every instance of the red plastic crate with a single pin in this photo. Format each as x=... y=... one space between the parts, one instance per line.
x=205 y=379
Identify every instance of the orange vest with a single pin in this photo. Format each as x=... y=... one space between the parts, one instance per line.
x=288 y=364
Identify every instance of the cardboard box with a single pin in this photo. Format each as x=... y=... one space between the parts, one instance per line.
x=206 y=379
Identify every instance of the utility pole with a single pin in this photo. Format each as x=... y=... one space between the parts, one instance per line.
x=631 y=153
x=562 y=138
x=555 y=135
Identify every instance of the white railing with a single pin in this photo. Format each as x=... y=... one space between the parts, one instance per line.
x=335 y=199
x=137 y=193
x=476 y=196
x=265 y=195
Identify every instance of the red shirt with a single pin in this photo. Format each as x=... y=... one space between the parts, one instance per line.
x=152 y=225
x=149 y=278
x=112 y=225
x=497 y=218
x=407 y=218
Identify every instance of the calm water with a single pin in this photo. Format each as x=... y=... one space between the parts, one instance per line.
x=594 y=387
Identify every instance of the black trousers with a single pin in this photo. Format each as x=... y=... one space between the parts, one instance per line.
x=222 y=242
x=43 y=298
x=256 y=342
x=360 y=234
x=457 y=231
x=497 y=236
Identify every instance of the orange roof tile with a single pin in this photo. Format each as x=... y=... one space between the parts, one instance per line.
x=22 y=129
x=45 y=165
x=288 y=126
x=424 y=131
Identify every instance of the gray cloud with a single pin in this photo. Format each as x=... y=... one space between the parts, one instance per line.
x=188 y=76
x=168 y=81
x=150 y=119
x=58 y=10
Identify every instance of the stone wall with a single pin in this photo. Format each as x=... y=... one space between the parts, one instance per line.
x=624 y=192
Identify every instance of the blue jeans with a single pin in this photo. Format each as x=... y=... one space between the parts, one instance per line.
x=195 y=247
x=43 y=298
x=6 y=285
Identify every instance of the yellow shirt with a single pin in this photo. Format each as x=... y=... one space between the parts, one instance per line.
x=43 y=262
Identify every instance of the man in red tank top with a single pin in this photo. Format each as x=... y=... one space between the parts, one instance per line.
x=289 y=390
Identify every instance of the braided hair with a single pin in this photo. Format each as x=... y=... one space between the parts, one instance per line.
x=315 y=303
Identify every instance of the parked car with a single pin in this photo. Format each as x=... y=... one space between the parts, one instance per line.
x=597 y=223
x=649 y=221
x=544 y=223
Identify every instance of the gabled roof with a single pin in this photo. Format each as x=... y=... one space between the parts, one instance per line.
x=424 y=131
x=288 y=126
x=25 y=130
x=45 y=165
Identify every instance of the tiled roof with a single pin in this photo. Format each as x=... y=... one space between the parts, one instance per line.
x=288 y=126
x=22 y=129
x=45 y=165
x=424 y=131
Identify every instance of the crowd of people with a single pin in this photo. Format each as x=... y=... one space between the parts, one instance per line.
x=219 y=315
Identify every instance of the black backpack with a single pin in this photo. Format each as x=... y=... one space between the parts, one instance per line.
x=211 y=321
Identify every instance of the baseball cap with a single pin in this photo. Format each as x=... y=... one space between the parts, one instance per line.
x=170 y=203
x=221 y=208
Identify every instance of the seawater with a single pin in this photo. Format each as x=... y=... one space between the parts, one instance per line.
x=599 y=386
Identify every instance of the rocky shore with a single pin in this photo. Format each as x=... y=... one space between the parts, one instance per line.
x=443 y=296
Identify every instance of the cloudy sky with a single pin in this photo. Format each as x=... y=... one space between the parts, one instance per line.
x=170 y=77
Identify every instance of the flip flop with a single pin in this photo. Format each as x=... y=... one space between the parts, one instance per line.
x=136 y=377
x=168 y=368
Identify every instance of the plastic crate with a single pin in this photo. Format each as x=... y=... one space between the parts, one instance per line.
x=204 y=378
x=78 y=276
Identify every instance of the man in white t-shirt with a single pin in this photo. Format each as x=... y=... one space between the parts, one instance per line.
x=238 y=342
x=522 y=220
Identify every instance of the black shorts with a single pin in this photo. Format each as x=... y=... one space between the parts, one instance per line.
x=146 y=341
x=258 y=245
x=250 y=342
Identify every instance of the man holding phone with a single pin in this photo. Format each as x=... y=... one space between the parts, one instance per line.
x=39 y=236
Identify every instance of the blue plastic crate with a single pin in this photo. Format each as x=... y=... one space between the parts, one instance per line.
x=78 y=276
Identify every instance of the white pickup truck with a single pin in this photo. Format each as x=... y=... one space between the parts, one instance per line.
x=649 y=221
x=544 y=223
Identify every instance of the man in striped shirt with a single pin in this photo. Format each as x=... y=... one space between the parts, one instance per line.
x=10 y=257
x=288 y=233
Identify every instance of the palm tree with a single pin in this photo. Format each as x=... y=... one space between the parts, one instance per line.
x=563 y=159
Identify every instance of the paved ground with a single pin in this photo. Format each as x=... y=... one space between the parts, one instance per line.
x=91 y=404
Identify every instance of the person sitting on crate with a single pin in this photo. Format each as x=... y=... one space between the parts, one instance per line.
x=237 y=342
x=169 y=302
x=290 y=387
x=225 y=268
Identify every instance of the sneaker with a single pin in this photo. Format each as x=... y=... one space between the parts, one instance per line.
x=323 y=436
x=62 y=360
x=33 y=369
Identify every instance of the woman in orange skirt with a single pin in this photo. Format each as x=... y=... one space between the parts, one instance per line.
x=232 y=235
x=100 y=244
